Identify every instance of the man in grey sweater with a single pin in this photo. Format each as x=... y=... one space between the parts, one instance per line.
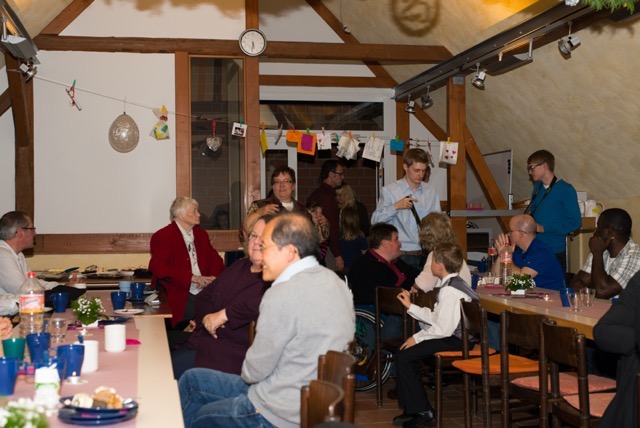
x=307 y=311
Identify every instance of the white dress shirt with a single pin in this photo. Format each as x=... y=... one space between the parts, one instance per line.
x=13 y=271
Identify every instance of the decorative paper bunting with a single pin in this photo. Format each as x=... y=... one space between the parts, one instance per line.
x=397 y=144
x=264 y=144
x=307 y=144
x=373 y=149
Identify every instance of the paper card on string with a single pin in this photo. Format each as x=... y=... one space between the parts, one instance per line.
x=397 y=144
x=343 y=144
x=239 y=130
x=353 y=147
x=293 y=136
x=373 y=149
x=307 y=144
x=324 y=141
x=264 y=144
x=161 y=130
x=448 y=152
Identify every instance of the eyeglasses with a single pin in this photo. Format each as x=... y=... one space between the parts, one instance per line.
x=341 y=174
x=280 y=182
x=264 y=247
x=521 y=231
x=532 y=167
x=254 y=236
x=28 y=228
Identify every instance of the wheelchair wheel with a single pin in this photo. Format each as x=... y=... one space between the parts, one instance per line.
x=364 y=351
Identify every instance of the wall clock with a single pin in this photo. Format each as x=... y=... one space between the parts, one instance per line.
x=253 y=42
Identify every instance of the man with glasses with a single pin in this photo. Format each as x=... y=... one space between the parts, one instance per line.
x=405 y=202
x=531 y=256
x=307 y=311
x=17 y=234
x=554 y=204
x=331 y=176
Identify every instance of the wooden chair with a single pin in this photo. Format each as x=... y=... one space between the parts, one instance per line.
x=337 y=368
x=487 y=367
x=320 y=401
x=388 y=303
x=565 y=346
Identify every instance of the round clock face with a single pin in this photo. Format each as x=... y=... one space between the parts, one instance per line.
x=253 y=42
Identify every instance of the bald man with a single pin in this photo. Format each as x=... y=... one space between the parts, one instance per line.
x=531 y=256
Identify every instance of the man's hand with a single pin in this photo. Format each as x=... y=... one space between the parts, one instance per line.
x=405 y=203
x=212 y=322
x=405 y=298
x=408 y=343
x=202 y=281
x=597 y=245
x=502 y=241
x=339 y=263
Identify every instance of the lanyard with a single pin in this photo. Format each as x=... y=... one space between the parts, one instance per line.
x=543 y=196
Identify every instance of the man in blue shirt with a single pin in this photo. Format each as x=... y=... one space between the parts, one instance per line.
x=405 y=202
x=531 y=256
x=554 y=204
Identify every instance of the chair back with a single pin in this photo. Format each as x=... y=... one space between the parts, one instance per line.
x=562 y=346
x=337 y=368
x=320 y=401
x=387 y=303
x=474 y=325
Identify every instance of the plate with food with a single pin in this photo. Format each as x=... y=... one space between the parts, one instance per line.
x=103 y=407
x=130 y=311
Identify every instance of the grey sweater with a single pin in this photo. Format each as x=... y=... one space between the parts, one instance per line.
x=300 y=319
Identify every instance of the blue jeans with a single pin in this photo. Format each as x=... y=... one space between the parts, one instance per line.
x=210 y=398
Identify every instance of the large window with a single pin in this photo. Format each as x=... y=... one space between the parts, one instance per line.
x=216 y=103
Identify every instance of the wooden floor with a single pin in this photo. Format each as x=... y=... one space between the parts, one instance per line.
x=367 y=414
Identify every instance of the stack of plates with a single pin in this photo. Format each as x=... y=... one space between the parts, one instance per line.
x=89 y=416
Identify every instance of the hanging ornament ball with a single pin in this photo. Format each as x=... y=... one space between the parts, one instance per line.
x=124 y=134
x=214 y=142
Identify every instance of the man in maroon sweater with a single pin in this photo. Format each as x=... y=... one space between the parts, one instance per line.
x=331 y=176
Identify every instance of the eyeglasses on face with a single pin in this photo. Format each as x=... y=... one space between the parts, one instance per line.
x=517 y=230
x=534 y=166
x=28 y=228
x=281 y=182
x=341 y=173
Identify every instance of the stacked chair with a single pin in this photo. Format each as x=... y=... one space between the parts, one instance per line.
x=337 y=368
x=320 y=401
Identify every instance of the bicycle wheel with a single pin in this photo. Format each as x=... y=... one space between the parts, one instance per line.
x=365 y=344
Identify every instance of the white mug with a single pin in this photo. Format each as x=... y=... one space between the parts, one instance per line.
x=115 y=338
x=90 y=361
x=590 y=208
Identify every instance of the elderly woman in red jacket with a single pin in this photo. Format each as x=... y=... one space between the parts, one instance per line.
x=183 y=261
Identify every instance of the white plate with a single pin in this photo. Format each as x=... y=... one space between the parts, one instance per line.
x=47 y=309
x=128 y=311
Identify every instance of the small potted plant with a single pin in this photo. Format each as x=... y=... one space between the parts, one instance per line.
x=88 y=311
x=519 y=282
x=23 y=413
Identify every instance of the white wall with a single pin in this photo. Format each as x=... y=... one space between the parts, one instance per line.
x=7 y=155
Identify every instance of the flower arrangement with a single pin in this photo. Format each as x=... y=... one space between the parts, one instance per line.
x=23 y=413
x=88 y=311
x=520 y=281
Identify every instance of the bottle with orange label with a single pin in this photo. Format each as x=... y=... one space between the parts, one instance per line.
x=31 y=305
x=506 y=260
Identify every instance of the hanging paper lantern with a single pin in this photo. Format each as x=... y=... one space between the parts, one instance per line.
x=124 y=134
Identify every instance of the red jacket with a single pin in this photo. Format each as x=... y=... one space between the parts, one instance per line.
x=171 y=266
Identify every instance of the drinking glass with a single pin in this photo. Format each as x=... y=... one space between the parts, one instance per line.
x=588 y=296
x=575 y=302
x=58 y=329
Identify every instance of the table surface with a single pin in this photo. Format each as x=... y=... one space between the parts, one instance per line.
x=154 y=387
x=495 y=300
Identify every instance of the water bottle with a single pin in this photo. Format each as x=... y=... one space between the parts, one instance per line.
x=31 y=305
x=492 y=255
x=506 y=260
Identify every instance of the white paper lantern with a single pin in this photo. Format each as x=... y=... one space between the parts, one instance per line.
x=124 y=134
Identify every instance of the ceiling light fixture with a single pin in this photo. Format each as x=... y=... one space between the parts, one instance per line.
x=411 y=105
x=567 y=44
x=426 y=100
x=28 y=70
x=478 y=80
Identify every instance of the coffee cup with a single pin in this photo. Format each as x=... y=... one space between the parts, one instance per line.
x=38 y=344
x=137 y=290
x=91 y=350
x=60 y=301
x=115 y=338
x=14 y=347
x=8 y=374
x=118 y=299
x=73 y=356
x=125 y=286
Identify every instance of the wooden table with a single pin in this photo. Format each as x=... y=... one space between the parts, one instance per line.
x=494 y=300
x=162 y=310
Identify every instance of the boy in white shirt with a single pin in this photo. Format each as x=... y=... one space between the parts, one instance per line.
x=440 y=331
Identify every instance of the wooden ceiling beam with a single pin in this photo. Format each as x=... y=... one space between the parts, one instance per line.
x=326 y=81
x=275 y=50
x=430 y=124
x=5 y=102
x=66 y=17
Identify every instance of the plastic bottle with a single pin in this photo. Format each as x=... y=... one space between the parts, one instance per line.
x=31 y=305
x=506 y=260
x=492 y=255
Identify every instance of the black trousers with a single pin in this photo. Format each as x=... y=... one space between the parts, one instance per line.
x=411 y=394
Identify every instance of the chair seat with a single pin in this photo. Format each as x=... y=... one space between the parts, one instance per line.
x=475 y=352
x=598 y=403
x=568 y=383
x=517 y=365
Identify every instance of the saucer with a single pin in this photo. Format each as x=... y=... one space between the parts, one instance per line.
x=131 y=311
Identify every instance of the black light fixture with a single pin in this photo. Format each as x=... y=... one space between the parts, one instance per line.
x=567 y=44
x=426 y=100
x=478 y=80
x=411 y=105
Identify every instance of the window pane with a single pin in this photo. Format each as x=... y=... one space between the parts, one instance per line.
x=354 y=116
x=216 y=102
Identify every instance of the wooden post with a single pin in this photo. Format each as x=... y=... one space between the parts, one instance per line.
x=457 y=174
